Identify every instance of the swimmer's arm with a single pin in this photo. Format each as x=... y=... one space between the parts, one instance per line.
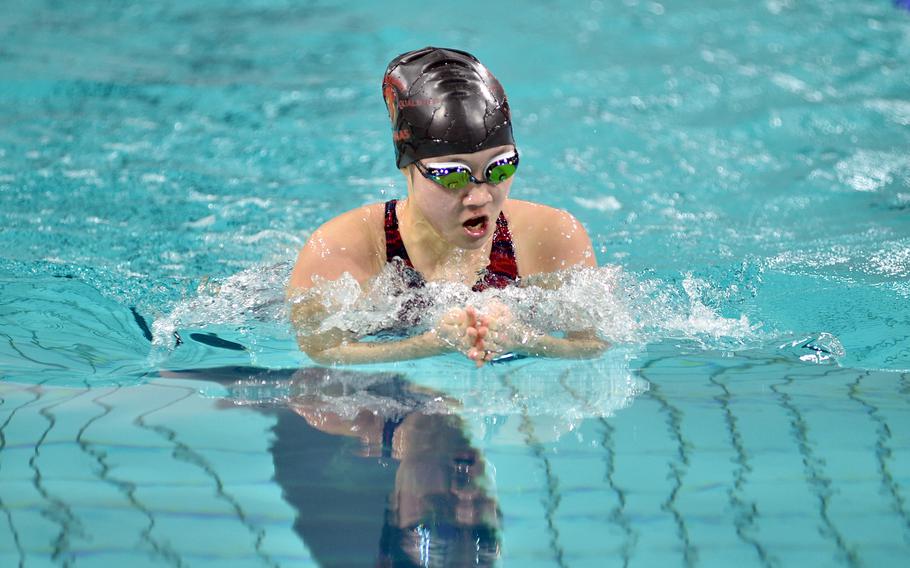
x=346 y=244
x=575 y=345
x=339 y=247
x=565 y=244
x=337 y=347
x=570 y=248
x=500 y=332
x=359 y=353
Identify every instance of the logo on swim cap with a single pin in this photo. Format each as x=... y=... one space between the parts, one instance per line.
x=390 y=89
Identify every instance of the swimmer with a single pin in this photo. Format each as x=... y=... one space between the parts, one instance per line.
x=452 y=131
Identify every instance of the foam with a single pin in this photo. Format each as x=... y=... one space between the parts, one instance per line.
x=622 y=308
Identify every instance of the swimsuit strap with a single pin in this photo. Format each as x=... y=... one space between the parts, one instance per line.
x=394 y=246
x=395 y=251
x=500 y=272
x=503 y=268
x=388 y=434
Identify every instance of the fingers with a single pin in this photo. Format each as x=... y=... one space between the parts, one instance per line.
x=471 y=313
x=477 y=353
x=494 y=344
x=478 y=356
x=477 y=329
x=476 y=332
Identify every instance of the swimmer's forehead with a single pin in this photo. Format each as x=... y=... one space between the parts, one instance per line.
x=481 y=156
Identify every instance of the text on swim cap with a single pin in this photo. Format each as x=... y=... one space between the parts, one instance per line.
x=405 y=103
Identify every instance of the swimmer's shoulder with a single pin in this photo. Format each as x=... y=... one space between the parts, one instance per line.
x=360 y=224
x=352 y=242
x=547 y=239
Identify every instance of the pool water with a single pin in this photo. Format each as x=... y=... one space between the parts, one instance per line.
x=742 y=169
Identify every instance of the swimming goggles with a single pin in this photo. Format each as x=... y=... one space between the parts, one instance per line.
x=454 y=175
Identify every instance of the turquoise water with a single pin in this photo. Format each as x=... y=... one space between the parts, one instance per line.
x=741 y=168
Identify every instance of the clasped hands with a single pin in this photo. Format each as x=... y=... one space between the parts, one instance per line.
x=483 y=336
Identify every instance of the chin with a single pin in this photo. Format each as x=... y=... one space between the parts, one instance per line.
x=472 y=245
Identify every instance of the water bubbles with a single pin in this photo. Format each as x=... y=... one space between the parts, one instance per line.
x=817 y=348
x=255 y=294
x=870 y=171
x=621 y=308
x=604 y=204
x=897 y=111
x=692 y=314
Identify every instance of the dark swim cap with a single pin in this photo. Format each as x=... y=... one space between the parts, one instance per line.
x=444 y=101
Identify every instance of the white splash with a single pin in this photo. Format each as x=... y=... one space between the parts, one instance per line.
x=870 y=171
x=255 y=294
x=606 y=203
x=619 y=307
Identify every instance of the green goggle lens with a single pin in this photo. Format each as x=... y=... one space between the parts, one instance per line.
x=458 y=177
x=501 y=172
x=454 y=180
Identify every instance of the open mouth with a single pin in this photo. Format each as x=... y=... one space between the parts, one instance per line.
x=476 y=226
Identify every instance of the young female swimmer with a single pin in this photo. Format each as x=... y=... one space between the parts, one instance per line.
x=453 y=143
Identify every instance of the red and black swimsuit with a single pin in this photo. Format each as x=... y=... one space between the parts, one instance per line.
x=499 y=273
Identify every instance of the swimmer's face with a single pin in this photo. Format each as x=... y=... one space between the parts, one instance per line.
x=465 y=217
x=440 y=474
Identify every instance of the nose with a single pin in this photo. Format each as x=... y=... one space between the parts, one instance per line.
x=478 y=195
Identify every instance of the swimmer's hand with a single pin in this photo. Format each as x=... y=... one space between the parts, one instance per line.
x=456 y=331
x=459 y=330
x=499 y=332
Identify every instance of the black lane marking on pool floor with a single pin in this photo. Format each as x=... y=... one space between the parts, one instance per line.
x=883 y=452
x=58 y=511
x=9 y=514
x=211 y=340
x=126 y=488
x=813 y=467
x=142 y=323
x=679 y=467
x=553 y=498
x=617 y=514
x=12 y=344
x=183 y=452
x=745 y=511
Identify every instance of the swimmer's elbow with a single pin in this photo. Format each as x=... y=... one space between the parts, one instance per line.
x=591 y=348
x=321 y=358
x=321 y=348
x=318 y=355
x=600 y=346
x=588 y=344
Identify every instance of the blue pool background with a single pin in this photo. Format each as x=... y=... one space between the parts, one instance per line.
x=744 y=160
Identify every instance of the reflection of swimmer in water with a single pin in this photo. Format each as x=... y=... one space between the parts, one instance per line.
x=440 y=511
x=354 y=504
x=454 y=146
